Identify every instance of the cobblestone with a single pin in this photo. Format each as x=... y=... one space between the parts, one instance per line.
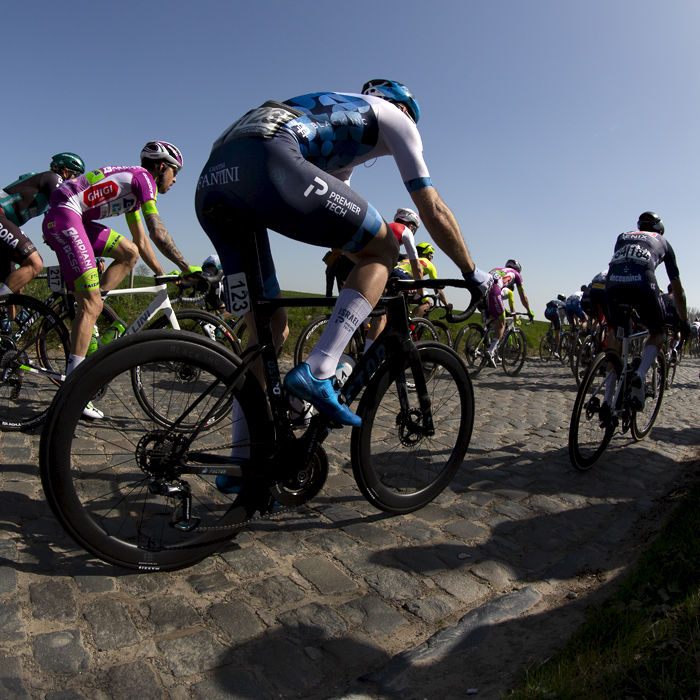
x=306 y=604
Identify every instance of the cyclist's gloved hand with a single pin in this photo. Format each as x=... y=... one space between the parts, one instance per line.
x=531 y=315
x=480 y=282
x=685 y=331
x=194 y=269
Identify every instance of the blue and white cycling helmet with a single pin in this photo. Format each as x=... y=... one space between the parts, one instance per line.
x=406 y=217
x=162 y=152
x=394 y=92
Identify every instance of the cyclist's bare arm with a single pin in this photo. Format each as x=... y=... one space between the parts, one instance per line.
x=417 y=270
x=164 y=242
x=524 y=299
x=138 y=234
x=443 y=227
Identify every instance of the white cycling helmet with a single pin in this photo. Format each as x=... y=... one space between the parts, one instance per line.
x=212 y=261
x=407 y=216
x=162 y=151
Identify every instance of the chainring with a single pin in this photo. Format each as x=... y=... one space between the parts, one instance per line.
x=303 y=477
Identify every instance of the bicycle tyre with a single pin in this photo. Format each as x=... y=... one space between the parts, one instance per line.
x=588 y=437
x=513 y=351
x=194 y=321
x=33 y=358
x=444 y=332
x=654 y=389
x=311 y=333
x=96 y=474
x=547 y=347
x=470 y=346
x=586 y=355
x=566 y=347
x=397 y=470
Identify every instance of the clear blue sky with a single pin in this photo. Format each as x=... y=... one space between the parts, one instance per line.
x=548 y=126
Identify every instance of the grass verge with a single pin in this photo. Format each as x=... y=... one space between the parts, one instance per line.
x=643 y=642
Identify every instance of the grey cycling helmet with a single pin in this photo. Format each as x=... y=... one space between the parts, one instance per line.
x=514 y=265
x=650 y=221
x=70 y=161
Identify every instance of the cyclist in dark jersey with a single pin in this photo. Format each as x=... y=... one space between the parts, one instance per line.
x=287 y=166
x=632 y=282
x=21 y=201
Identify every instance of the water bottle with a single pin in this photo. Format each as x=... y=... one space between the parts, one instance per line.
x=114 y=331
x=22 y=316
x=344 y=369
x=94 y=344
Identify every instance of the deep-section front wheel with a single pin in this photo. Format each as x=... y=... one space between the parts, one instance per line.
x=585 y=356
x=591 y=427
x=513 y=351
x=34 y=348
x=654 y=387
x=402 y=459
x=120 y=486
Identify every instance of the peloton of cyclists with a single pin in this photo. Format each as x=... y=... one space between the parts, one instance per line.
x=70 y=227
x=21 y=201
x=316 y=140
x=508 y=276
x=631 y=282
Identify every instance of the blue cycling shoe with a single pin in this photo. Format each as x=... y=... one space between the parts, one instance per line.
x=320 y=393
x=229 y=484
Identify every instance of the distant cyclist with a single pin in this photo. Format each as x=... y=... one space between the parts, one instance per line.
x=21 y=201
x=71 y=229
x=555 y=313
x=574 y=313
x=211 y=269
x=288 y=167
x=509 y=276
x=631 y=282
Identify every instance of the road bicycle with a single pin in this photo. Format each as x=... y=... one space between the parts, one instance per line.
x=593 y=421
x=35 y=344
x=473 y=342
x=421 y=329
x=139 y=490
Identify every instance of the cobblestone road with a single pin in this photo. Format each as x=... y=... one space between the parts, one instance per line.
x=307 y=605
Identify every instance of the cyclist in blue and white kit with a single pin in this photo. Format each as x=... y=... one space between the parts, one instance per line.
x=287 y=167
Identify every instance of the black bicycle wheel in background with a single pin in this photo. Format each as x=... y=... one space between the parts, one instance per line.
x=113 y=483
x=155 y=393
x=470 y=345
x=310 y=335
x=443 y=331
x=547 y=347
x=654 y=388
x=398 y=467
x=586 y=355
x=566 y=345
x=513 y=350
x=32 y=340
x=590 y=431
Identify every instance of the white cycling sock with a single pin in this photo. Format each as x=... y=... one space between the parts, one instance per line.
x=5 y=290
x=650 y=353
x=73 y=362
x=494 y=345
x=350 y=311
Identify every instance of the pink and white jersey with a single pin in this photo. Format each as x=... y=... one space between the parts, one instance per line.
x=110 y=191
x=507 y=277
x=405 y=237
